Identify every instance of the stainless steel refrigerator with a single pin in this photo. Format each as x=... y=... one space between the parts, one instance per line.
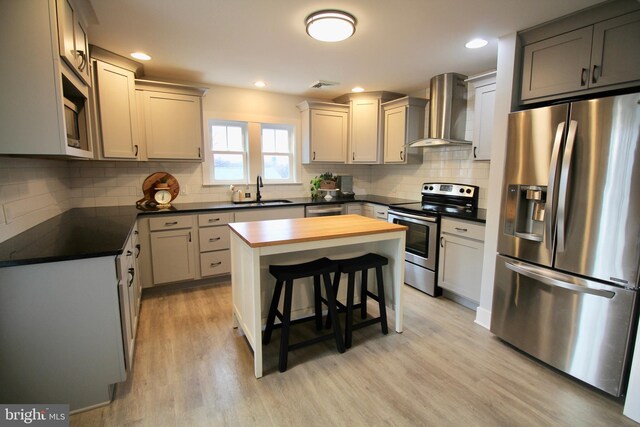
x=567 y=273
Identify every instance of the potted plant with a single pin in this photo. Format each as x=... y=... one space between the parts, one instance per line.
x=326 y=181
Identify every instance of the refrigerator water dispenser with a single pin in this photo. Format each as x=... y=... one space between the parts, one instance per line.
x=525 y=211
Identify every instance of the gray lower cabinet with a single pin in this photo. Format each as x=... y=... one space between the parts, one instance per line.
x=460 y=259
x=602 y=55
x=214 y=237
x=172 y=248
x=66 y=329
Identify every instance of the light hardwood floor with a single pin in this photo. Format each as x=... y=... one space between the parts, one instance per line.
x=193 y=369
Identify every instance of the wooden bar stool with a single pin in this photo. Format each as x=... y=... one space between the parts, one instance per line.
x=286 y=274
x=351 y=266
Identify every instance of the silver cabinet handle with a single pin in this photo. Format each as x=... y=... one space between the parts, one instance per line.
x=167 y=224
x=214 y=219
x=475 y=156
x=462 y=230
x=563 y=187
x=584 y=76
x=215 y=264
x=594 y=74
x=402 y=155
x=214 y=239
x=442 y=241
x=132 y=272
x=541 y=276
x=549 y=213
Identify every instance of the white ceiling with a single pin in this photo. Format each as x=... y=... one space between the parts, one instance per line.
x=398 y=45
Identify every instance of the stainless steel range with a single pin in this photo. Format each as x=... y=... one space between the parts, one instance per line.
x=423 y=222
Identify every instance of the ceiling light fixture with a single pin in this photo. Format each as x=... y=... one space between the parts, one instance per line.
x=259 y=83
x=141 y=56
x=476 y=43
x=357 y=89
x=330 y=25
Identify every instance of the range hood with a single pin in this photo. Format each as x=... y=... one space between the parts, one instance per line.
x=447 y=112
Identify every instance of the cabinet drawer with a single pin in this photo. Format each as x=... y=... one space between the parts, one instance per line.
x=463 y=228
x=217 y=218
x=212 y=263
x=171 y=222
x=214 y=238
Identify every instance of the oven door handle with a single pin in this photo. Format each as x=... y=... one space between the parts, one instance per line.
x=413 y=218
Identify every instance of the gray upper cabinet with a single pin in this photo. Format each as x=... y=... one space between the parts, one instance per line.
x=557 y=63
x=615 y=57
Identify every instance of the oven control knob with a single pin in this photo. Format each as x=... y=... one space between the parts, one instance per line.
x=431 y=187
x=468 y=191
x=462 y=190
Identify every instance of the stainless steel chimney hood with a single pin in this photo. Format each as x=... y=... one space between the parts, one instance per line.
x=447 y=112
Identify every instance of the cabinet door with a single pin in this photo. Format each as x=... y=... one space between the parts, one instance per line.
x=118 y=120
x=172 y=256
x=173 y=126
x=557 y=65
x=329 y=133
x=483 y=121
x=72 y=40
x=615 y=58
x=365 y=124
x=395 y=135
x=460 y=266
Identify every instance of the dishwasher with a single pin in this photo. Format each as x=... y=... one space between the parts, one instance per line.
x=324 y=210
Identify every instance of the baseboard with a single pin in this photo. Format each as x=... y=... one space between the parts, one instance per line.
x=483 y=317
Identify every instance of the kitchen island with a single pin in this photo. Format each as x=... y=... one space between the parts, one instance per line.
x=256 y=245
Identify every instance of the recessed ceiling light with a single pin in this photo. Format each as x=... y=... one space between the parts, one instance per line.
x=259 y=83
x=476 y=43
x=357 y=89
x=330 y=25
x=141 y=56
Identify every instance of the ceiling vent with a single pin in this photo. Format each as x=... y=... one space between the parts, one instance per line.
x=322 y=83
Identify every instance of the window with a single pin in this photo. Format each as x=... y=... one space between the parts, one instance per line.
x=277 y=153
x=228 y=152
x=239 y=151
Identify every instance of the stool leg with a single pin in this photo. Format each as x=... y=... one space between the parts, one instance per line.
x=381 y=301
x=349 y=320
x=364 y=287
x=333 y=313
x=336 y=286
x=317 y=302
x=286 y=322
x=271 y=317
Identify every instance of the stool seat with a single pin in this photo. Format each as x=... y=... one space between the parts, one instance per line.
x=306 y=269
x=350 y=267
x=360 y=263
x=285 y=275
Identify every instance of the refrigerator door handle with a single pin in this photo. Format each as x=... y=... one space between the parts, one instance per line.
x=549 y=213
x=542 y=276
x=564 y=183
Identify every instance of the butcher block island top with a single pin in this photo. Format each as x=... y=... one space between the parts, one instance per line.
x=284 y=231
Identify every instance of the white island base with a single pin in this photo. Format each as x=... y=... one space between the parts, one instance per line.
x=256 y=245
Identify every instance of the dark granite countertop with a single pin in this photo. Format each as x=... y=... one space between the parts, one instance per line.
x=94 y=232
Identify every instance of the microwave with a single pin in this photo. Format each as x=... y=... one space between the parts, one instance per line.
x=72 y=123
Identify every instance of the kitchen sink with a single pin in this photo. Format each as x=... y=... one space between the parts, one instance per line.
x=266 y=202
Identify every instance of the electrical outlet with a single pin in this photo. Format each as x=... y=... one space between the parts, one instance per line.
x=184 y=190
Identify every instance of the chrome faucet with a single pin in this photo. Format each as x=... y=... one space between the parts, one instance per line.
x=258 y=185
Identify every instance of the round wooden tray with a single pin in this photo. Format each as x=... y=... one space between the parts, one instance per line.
x=149 y=186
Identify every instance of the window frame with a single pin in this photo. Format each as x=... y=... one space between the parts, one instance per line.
x=291 y=154
x=209 y=167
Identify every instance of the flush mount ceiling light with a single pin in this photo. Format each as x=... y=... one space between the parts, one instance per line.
x=141 y=56
x=476 y=43
x=260 y=83
x=357 y=89
x=330 y=25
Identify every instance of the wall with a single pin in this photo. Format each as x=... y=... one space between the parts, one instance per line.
x=31 y=191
